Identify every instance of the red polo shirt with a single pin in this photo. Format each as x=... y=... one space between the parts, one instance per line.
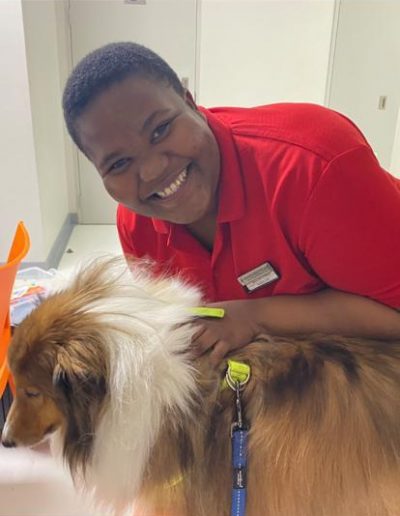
x=301 y=189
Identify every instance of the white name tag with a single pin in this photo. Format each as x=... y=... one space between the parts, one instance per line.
x=258 y=277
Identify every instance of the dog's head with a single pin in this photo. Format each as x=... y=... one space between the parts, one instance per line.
x=99 y=363
x=59 y=368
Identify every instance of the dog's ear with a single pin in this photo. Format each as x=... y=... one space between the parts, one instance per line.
x=79 y=370
x=79 y=378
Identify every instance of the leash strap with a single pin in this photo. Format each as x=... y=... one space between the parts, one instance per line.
x=239 y=462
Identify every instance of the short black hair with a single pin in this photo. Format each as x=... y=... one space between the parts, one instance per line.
x=106 y=66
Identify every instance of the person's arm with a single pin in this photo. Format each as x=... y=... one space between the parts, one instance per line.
x=327 y=311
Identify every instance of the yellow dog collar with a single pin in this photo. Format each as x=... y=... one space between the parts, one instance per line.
x=236 y=373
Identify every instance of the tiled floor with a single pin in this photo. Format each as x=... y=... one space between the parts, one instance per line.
x=89 y=241
x=31 y=483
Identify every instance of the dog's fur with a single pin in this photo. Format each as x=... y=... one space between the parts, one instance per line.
x=105 y=365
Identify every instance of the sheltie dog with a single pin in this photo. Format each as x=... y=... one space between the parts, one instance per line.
x=105 y=365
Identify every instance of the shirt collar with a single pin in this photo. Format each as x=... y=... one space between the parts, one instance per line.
x=230 y=189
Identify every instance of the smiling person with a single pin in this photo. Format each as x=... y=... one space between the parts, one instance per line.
x=280 y=213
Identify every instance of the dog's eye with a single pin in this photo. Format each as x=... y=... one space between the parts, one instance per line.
x=31 y=393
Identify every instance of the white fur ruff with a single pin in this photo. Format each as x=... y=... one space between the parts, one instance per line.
x=149 y=375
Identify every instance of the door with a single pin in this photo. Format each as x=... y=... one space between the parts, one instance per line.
x=365 y=78
x=166 y=26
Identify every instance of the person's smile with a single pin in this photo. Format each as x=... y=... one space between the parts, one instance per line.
x=170 y=186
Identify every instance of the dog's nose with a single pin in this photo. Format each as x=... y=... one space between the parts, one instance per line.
x=8 y=444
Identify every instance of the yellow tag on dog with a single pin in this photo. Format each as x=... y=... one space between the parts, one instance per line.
x=207 y=311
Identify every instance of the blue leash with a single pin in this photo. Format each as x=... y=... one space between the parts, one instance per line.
x=239 y=433
x=236 y=377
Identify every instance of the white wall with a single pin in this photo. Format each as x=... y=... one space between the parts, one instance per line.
x=48 y=126
x=263 y=51
x=19 y=192
x=395 y=155
x=62 y=8
x=34 y=184
x=366 y=65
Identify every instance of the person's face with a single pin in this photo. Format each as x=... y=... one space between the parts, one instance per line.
x=154 y=151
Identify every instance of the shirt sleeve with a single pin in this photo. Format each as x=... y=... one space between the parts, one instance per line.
x=350 y=234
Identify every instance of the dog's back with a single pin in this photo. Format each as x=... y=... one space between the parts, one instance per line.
x=324 y=417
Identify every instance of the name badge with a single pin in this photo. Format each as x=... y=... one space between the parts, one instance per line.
x=259 y=277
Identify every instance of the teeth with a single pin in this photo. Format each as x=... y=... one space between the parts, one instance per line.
x=173 y=187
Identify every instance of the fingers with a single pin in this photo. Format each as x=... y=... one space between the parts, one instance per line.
x=218 y=353
x=198 y=335
x=203 y=340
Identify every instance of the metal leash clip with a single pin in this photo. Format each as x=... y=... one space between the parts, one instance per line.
x=239 y=423
x=236 y=377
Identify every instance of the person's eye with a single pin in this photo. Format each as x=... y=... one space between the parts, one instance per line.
x=161 y=131
x=119 y=165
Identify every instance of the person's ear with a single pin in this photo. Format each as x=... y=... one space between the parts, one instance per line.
x=191 y=103
x=190 y=100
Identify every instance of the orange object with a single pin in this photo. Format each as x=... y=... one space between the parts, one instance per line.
x=8 y=271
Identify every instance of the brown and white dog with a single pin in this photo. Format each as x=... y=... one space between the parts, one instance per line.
x=105 y=367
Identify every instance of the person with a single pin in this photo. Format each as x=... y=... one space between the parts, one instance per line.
x=280 y=213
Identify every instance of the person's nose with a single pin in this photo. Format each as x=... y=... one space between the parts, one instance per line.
x=152 y=166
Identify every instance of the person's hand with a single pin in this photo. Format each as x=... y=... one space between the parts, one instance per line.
x=237 y=328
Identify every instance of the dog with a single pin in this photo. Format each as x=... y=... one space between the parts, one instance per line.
x=106 y=368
